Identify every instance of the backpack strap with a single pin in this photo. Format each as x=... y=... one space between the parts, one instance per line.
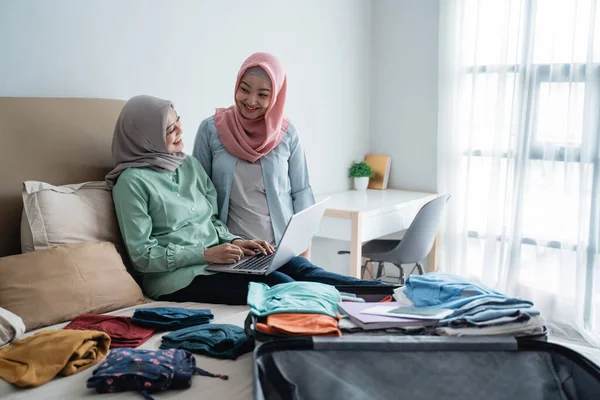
x=202 y=372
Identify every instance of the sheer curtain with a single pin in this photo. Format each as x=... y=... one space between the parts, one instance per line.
x=518 y=151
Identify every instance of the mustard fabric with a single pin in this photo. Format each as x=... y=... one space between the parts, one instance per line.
x=37 y=359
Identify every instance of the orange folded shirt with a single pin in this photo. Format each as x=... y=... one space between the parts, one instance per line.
x=300 y=325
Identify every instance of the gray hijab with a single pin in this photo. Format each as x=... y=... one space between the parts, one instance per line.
x=139 y=139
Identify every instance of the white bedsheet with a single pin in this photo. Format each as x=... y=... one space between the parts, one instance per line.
x=239 y=385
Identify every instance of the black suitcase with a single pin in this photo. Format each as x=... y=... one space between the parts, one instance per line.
x=421 y=367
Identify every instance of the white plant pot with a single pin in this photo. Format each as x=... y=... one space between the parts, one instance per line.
x=361 y=183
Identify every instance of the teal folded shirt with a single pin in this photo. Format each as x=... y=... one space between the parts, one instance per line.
x=293 y=297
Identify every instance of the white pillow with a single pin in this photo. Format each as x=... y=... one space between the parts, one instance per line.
x=56 y=215
x=12 y=327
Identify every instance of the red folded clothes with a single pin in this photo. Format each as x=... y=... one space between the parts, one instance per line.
x=122 y=331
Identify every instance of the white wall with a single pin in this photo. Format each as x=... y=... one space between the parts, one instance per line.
x=404 y=105
x=362 y=75
x=190 y=52
x=404 y=94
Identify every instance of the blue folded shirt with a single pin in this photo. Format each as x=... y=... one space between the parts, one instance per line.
x=213 y=340
x=474 y=304
x=170 y=318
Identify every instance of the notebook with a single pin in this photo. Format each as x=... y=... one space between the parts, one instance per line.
x=380 y=165
x=401 y=311
x=372 y=322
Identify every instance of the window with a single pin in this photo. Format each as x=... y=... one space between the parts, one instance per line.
x=531 y=128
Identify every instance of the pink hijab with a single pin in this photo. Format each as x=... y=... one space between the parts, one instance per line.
x=251 y=139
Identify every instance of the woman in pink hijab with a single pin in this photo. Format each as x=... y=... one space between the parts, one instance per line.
x=253 y=154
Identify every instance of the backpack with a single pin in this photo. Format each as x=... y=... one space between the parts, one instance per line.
x=146 y=371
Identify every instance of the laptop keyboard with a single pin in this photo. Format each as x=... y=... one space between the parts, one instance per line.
x=257 y=262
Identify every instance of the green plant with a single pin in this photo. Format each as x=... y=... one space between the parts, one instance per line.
x=360 y=170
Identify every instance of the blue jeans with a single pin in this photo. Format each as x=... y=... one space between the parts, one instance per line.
x=232 y=289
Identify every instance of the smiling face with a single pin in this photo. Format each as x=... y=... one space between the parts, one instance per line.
x=253 y=96
x=174 y=140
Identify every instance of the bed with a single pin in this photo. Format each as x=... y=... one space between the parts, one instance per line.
x=62 y=141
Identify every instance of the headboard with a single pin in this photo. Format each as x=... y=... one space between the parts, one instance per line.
x=53 y=140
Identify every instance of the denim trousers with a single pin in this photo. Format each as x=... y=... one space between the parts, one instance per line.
x=224 y=288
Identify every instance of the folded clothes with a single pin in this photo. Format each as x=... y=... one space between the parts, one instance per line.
x=213 y=340
x=122 y=331
x=146 y=371
x=300 y=325
x=12 y=327
x=535 y=326
x=170 y=318
x=37 y=359
x=436 y=289
x=474 y=304
x=293 y=297
x=486 y=317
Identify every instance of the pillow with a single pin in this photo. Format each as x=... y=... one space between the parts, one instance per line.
x=55 y=215
x=12 y=327
x=55 y=285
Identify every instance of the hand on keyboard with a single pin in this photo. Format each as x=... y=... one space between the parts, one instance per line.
x=223 y=254
x=251 y=247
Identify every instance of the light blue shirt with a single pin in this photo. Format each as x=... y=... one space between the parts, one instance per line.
x=472 y=302
x=293 y=297
x=284 y=172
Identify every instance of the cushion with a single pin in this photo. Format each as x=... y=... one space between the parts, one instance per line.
x=12 y=327
x=55 y=285
x=55 y=215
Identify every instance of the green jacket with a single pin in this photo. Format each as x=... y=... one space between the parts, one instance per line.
x=167 y=220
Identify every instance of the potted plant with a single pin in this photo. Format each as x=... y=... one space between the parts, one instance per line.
x=361 y=172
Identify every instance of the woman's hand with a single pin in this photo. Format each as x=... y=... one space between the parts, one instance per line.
x=251 y=247
x=223 y=254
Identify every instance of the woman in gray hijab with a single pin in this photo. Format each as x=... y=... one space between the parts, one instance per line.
x=139 y=140
x=166 y=206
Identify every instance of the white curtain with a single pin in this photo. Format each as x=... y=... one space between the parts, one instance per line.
x=519 y=152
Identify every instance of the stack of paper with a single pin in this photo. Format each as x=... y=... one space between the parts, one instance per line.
x=395 y=311
x=369 y=321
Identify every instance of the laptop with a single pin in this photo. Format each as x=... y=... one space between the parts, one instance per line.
x=295 y=240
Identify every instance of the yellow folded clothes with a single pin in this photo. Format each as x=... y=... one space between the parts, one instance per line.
x=37 y=359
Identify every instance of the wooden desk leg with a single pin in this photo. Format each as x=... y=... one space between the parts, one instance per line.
x=356 y=245
x=433 y=255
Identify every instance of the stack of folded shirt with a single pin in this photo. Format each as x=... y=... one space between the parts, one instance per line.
x=170 y=318
x=120 y=329
x=296 y=308
x=213 y=340
x=478 y=310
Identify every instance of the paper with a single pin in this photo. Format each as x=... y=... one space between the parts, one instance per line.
x=409 y=312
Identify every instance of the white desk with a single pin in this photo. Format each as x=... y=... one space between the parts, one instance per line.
x=360 y=216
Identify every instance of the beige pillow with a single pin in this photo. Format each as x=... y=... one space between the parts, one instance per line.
x=56 y=285
x=55 y=215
